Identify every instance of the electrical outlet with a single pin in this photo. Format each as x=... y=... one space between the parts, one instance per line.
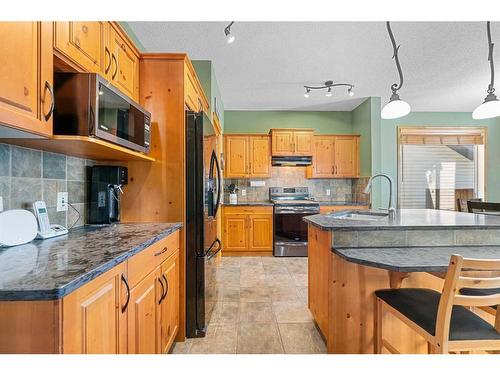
x=62 y=201
x=1 y=204
x=328 y=192
x=243 y=192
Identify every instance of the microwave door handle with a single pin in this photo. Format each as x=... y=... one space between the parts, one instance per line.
x=219 y=184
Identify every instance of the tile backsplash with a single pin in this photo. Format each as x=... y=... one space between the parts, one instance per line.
x=28 y=175
x=341 y=190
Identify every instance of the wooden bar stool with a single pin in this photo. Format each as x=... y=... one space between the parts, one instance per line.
x=442 y=319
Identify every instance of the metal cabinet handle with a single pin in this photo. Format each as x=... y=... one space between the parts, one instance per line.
x=48 y=86
x=128 y=293
x=106 y=51
x=161 y=252
x=116 y=65
x=166 y=285
x=162 y=291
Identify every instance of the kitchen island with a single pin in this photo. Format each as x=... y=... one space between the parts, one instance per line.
x=352 y=255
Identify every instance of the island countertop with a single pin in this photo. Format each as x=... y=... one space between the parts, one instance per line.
x=414 y=259
x=50 y=269
x=408 y=219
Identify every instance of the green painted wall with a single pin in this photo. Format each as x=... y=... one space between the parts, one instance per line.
x=361 y=124
x=387 y=142
x=206 y=75
x=262 y=121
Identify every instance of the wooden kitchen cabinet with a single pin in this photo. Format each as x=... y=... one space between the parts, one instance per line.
x=338 y=208
x=334 y=156
x=292 y=142
x=93 y=320
x=247 y=229
x=169 y=306
x=81 y=42
x=26 y=75
x=247 y=156
x=194 y=96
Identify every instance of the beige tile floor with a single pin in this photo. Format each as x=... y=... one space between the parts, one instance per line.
x=257 y=305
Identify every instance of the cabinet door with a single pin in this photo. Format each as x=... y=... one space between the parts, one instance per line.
x=235 y=232
x=346 y=151
x=282 y=142
x=260 y=162
x=236 y=155
x=260 y=232
x=124 y=65
x=169 y=307
x=302 y=141
x=142 y=315
x=81 y=42
x=26 y=76
x=93 y=322
x=107 y=62
x=323 y=157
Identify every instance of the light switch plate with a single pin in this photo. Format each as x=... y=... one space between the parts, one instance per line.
x=328 y=192
x=62 y=201
x=243 y=192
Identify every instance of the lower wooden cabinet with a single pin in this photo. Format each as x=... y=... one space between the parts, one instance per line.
x=247 y=229
x=326 y=209
x=117 y=312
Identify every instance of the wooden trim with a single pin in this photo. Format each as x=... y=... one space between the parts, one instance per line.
x=121 y=31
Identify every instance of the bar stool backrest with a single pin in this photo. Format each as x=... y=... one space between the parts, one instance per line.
x=454 y=281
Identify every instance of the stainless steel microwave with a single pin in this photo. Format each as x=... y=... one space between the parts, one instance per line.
x=86 y=104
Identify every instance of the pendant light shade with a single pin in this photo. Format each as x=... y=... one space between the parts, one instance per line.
x=491 y=105
x=489 y=109
x=396 y=107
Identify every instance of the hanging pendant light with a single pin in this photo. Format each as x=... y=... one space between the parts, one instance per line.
x=491 y=105
x=396 y=107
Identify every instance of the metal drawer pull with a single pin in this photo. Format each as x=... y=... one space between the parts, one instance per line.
x=161 y=252
x=162 y=291
x=128 y=294
x=48 y=86
x=116 y=65
x=166 y=283
x=106 y=51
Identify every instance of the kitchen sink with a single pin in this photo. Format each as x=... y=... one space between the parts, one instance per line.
x=359 y=215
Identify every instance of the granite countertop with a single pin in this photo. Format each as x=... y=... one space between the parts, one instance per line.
x=337 y=203
x=414 y=259
x=409 y=219
x=50 y=269
x=249 y=203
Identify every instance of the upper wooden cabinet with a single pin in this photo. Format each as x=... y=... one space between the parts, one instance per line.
x=247 y=156
x=194 y=96
x=81 y=42
x=99 y=47
x=291 y=142
x=334 y=156
x=26 y=71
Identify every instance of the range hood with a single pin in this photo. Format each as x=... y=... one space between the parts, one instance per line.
x=291 y=161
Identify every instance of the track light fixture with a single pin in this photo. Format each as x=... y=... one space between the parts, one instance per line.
x=229 y=37
x=491 y=106
x=396 y=107
x=329 y=85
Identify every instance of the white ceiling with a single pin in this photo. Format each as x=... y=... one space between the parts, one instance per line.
x=444 y=63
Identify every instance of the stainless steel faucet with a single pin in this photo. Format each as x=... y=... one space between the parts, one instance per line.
x=390 y=206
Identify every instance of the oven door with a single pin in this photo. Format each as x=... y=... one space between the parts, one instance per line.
x=290 y=231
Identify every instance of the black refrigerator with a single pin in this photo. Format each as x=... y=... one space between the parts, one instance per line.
x=203 y=198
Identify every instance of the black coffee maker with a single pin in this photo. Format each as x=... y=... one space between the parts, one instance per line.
x=105 y=192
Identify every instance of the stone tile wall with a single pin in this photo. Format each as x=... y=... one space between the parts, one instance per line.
x=341 y=190
x=28 y=175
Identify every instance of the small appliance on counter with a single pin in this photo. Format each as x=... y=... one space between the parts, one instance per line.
x=105 y=192
x=45 y=229
x=17 y=227
x=233 y=197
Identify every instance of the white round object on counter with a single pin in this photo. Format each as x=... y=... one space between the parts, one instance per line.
x=17 y=227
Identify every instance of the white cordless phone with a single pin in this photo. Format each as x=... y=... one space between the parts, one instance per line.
x=45 y=230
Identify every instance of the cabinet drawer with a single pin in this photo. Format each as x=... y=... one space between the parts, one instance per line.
x=147 y=260
x=248 y=209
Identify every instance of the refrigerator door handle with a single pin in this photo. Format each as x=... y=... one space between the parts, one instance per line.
x=219 y=183
x=210 y=254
